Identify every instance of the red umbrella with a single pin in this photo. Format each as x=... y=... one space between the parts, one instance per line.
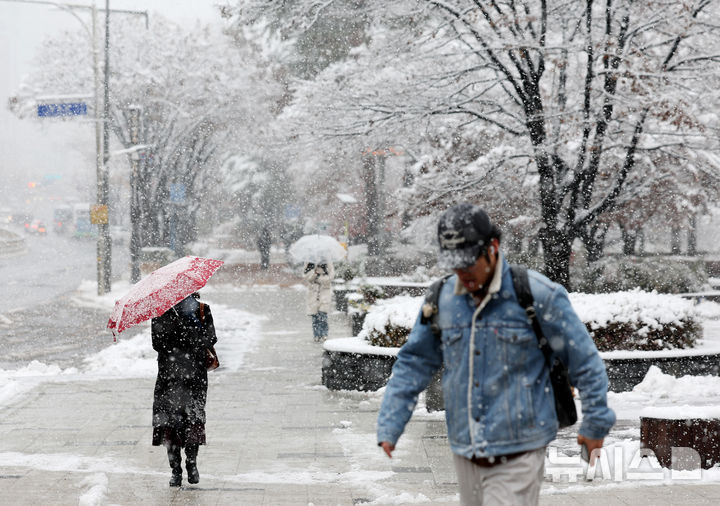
x=161 y=290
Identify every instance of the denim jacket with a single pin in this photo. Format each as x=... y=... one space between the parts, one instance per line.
x=496 y=385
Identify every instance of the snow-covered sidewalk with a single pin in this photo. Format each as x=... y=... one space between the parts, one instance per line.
x=275 y=435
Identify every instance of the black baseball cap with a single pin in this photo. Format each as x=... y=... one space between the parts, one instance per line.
x=464 y=232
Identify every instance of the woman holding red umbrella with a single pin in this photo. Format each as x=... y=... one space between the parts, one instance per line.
x=181 y=336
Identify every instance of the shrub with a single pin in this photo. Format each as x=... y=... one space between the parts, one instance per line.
x=347 y=270
x=389 y=321
x=656 y=273
x=638 y=320
x=390 y=336
x=632 y=320
x=356 y=303
x=630 y=336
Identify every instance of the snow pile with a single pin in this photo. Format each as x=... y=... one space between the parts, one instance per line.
x=86 y=294
x=402 y=498
x=14 y=383
x=237 y=331
x=682 y=412
x=661 y=385
x=97 y=488
x=689 y=394
x=128 y=358
x=708 y=310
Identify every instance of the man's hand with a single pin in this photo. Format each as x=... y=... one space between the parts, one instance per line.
x=387 y=448
x=590 y=444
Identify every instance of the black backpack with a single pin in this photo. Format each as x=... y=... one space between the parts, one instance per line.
x=562 y=391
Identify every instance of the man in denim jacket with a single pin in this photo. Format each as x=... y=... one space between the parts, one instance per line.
x=499 y=404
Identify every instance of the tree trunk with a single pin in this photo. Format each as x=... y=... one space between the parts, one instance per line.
x=675 y=241
x=371 y=204
x=557 y=249
x=629 y=240
x=692 y=236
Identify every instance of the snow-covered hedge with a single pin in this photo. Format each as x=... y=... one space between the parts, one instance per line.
x=360 y=301
x=638 y=320
x=633 y=320
x=663 y=274
x=389 y=321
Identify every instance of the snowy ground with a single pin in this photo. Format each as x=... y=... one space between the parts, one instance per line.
x=241 y=331
x=132 y=357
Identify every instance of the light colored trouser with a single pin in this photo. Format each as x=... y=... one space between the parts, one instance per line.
x=516 y=482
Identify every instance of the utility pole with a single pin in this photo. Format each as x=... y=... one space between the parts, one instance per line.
x=103 y=286
x=104 y=248
x=134 y=127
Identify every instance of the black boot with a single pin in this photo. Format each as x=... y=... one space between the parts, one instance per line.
x=191 y=464
x=175 y=459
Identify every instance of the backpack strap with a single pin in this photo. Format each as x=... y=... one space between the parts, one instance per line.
x=430 y=305
x=521 y=283
x=202 y=313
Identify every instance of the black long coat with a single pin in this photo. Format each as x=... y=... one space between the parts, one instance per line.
x=182 y=383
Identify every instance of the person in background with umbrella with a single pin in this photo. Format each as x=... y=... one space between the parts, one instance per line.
x=181 y=336
x=317 y=252
x=319 y=279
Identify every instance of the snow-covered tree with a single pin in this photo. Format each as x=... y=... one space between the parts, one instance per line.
x=577 y=91
x=197 y=91
x=260 y=193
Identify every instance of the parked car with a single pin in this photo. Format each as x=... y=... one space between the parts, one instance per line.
x=21 y=219
x=62 y=219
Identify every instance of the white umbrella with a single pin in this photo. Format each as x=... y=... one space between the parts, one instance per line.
x=317 y=248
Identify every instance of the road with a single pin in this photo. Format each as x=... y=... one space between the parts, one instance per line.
x=53 y=265
x=37 y=319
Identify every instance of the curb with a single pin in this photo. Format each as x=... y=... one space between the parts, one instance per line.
x=11 y=244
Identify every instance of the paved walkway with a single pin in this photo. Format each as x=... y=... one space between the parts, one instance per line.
x=275 y=435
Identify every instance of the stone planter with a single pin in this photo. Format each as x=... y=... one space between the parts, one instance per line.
x=669 y=439
x=390 y=287
x=341 y=303
x=352 y=362
x=627 y=369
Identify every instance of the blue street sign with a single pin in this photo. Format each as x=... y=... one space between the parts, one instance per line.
x=177 y=193
x=292 y=211
x=51 y=110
